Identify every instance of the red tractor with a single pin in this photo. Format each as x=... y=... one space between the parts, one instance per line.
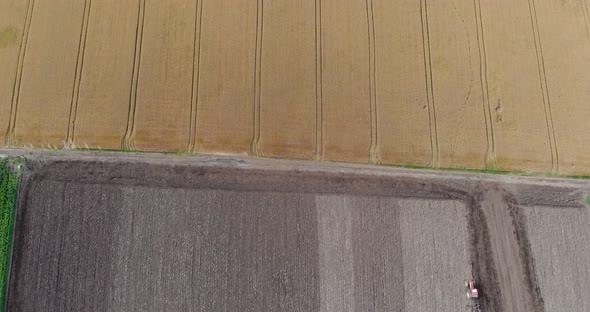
x=472 y=292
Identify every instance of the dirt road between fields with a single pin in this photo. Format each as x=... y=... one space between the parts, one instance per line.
x=506 y=250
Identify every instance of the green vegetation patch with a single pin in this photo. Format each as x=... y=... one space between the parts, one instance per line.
x=461 y=169
x=8 y=36
x=9 y=177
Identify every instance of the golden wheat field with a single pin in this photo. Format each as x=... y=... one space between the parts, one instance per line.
x=501 y=84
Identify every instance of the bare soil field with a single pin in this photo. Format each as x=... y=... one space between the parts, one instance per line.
x=466 y=84
x=143 y=232
x=436 y=250
x=559 y=240
x=146 y=248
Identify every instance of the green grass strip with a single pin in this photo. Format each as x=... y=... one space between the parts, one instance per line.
x=9 y=176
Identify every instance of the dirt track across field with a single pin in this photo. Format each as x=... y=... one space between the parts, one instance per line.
x=146 y=232
x=506 y=250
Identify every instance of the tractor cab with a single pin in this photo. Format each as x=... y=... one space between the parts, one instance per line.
x=471 y=290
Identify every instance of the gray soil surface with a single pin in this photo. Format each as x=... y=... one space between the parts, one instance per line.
x=560 y=243
x=128 y=232
x=436 y=253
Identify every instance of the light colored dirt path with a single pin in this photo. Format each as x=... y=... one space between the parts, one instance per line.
x=559 y=241
x=506 y=253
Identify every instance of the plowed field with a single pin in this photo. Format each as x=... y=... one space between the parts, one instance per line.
x=150 y=232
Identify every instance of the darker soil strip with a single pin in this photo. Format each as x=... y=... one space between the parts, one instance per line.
x=484 y=261
x=482 y=258
x=526 y=254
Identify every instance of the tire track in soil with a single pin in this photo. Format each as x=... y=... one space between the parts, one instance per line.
x=501 y=255
x=526 y=254
x=482 y=261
